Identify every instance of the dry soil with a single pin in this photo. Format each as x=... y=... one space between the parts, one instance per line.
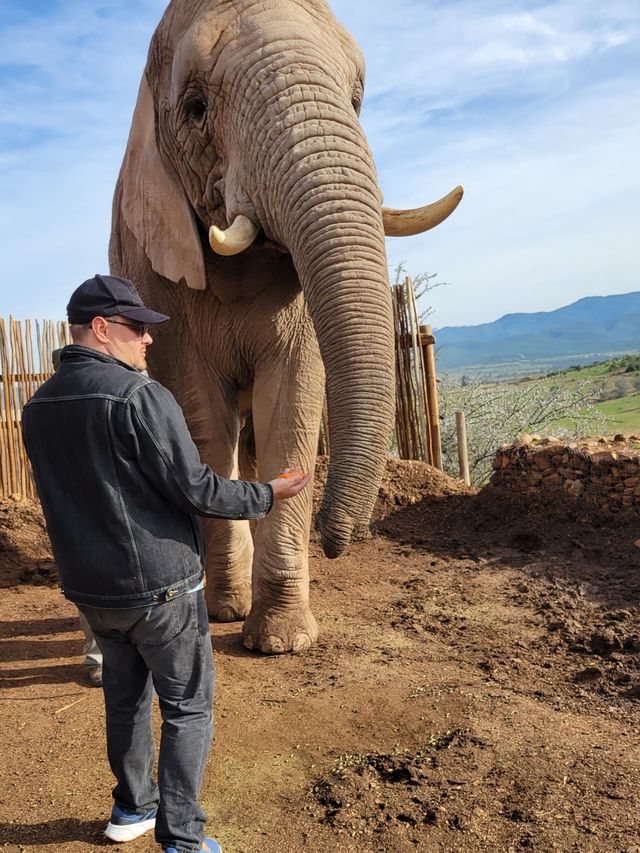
x=476 y=687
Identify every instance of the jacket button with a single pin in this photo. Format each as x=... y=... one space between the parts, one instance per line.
x=170 y=593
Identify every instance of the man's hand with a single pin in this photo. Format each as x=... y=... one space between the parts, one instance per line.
x=289 y=483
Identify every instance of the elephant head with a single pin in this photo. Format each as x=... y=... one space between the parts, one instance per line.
x=246 y=140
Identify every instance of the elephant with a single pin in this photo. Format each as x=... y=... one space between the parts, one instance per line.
x=247 y=208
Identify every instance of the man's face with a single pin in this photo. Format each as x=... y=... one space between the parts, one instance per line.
x=128 y=341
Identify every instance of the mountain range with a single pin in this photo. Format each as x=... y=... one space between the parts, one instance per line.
x=593 y=328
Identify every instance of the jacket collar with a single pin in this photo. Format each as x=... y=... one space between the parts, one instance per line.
x=77 y=352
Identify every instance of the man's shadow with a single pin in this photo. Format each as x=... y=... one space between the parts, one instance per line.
x=56 y=831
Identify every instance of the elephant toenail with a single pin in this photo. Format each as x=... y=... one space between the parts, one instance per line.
x=272 y=646
x=227 y=614
x=301 y=643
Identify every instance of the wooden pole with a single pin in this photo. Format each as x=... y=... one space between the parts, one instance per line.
x=428 y=350
x=401 y=426
x=20 y=381
x=418 y=395
x=32 y=386
x=9 y=397
x=463 y=455
x=430 y=457
x=5 y=455
x=404 y=376
x=4 y=471
x=4 y=459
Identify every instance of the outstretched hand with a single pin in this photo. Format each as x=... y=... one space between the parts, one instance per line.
x=289 y=483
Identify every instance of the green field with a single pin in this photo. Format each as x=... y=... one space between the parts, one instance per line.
x=617 y=381
x=624 y=413
x=614 y=384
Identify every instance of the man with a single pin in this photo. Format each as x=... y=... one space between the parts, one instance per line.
x=120 y=482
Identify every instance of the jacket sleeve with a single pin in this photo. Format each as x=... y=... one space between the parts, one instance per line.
x=169 y=458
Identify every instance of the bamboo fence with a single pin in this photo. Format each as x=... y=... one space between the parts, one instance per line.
x=26 y=360
x=417 y=432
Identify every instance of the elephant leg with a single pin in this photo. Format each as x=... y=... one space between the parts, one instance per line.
x=211 y=409
x=229 y=544
x=287 y=408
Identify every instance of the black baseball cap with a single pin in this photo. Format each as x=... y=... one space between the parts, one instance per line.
x=106 y=295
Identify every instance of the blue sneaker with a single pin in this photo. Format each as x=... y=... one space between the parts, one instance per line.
x=209 y=845
x=125 y=826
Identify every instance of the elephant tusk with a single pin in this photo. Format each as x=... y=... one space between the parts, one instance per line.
x=238 y=237
x=404 y=223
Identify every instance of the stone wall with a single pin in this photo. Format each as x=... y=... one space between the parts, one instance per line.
x=600 y=471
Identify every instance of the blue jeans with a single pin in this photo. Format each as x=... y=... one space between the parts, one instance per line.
x=166 y=647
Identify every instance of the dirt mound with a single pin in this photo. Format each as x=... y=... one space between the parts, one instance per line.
x=493 y=516
x=575 y=567
x=25 y=553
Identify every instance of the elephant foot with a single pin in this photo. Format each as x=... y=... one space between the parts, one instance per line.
x=274 y=632
x=228 y=606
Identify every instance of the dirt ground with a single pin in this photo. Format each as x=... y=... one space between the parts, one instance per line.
x=476 y=687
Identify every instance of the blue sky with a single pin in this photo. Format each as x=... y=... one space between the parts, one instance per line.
x=533 y=106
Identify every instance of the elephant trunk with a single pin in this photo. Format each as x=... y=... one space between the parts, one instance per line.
x=316 y=192
x=338 y=251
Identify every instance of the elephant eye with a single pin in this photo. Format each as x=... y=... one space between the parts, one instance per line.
x=195 y=107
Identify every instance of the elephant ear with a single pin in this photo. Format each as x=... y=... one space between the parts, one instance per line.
x=154 y=204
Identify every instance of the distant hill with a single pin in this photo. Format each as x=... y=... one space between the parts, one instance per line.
x=592 y=328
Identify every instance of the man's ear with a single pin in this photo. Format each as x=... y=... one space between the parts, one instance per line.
x=100 y=329
x=154 y=204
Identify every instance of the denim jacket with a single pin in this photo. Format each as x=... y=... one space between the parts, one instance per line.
x=121 y=481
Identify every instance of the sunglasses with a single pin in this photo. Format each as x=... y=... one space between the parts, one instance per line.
x=140 y=329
